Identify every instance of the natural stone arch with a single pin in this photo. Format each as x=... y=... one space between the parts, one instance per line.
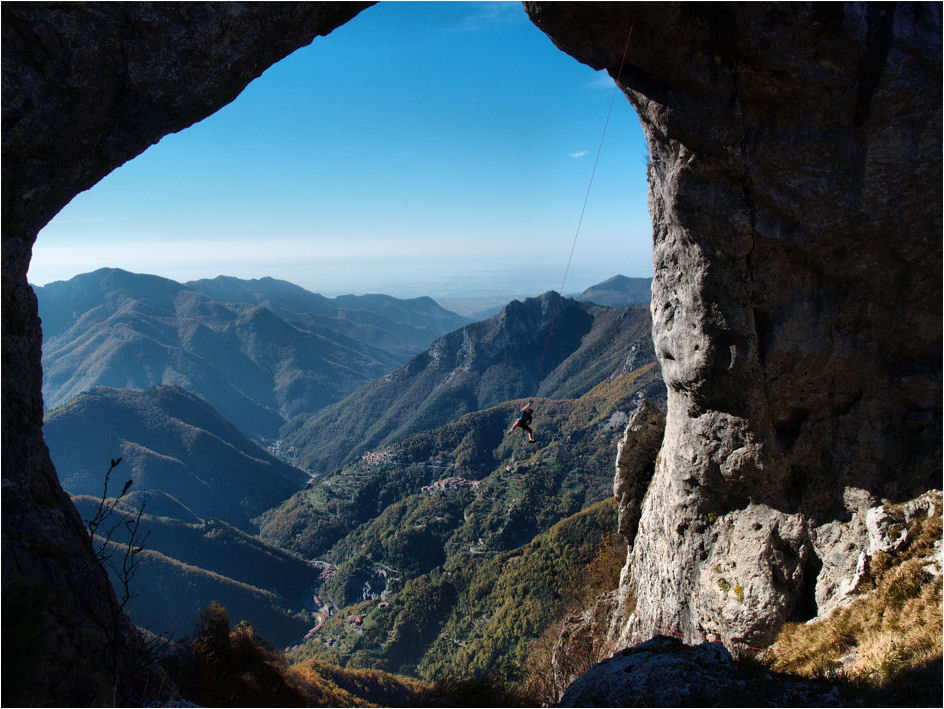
x=795 y=191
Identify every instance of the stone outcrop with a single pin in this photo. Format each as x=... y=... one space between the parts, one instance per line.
x=795 y=192
x=663 y=672
x=635 y=462
x=87 y=86
x=846 y=549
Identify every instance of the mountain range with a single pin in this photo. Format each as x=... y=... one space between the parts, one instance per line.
x=548 y=346
x=419 y=495
x=613 y=292
x=169 y=440
x=259 y=351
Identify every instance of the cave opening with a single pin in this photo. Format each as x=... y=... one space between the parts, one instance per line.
x=893 y=187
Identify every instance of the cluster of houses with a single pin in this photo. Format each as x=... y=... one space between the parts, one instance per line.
x=328 y=570
x=287 y=453
x=321 y=621
x=381 y=457
x=353 y=620
x=449 y=484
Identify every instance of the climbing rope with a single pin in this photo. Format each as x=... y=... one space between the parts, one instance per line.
x=583 y=210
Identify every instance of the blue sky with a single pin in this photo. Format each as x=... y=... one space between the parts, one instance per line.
x=438 y=148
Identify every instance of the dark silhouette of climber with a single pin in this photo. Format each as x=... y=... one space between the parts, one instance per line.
x=524 y=422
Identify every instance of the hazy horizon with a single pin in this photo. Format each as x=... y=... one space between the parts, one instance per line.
x=439 y=149
x=475 y=285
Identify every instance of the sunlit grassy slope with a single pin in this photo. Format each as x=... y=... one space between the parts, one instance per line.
x=890 y=637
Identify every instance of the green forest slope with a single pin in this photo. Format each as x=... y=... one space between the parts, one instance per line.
x=169 y=440
x=417 y=540
x=185 y=565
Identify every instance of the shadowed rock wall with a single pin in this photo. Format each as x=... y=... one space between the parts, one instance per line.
x=795 y=192
x=86 y=87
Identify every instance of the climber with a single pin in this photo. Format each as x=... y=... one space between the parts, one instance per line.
x=524 y=422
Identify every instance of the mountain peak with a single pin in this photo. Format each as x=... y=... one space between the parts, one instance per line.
x=478 y=366
x=619 y=290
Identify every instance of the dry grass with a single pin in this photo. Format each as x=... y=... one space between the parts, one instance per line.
x=891 y=632
x=895 y=627
x=231 y=668
x=328 y=685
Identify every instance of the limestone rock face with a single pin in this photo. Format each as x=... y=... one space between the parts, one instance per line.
x=795 y=192
x=86 y=87
x=842 y=548
x=847 y=548
x=635 y=458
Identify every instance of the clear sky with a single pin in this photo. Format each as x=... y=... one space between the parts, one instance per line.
x=437 y=148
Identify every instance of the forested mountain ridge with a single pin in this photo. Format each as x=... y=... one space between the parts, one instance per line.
x=188 y=562
x=269 y=352
x=169 y=440
x=575 y=440
x=476 y=367
x=197 y=482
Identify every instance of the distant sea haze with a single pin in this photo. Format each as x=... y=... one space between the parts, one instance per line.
x=449 y=278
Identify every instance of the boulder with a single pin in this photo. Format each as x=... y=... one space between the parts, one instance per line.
x=664 y=672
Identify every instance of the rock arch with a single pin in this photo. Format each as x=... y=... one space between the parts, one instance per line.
x=795 y=191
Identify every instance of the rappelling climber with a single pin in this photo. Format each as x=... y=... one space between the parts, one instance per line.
x=524 y=422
